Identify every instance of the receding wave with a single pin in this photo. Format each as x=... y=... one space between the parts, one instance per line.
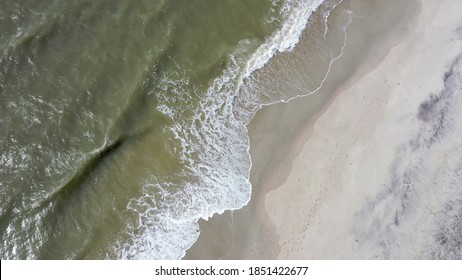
x=214 y=149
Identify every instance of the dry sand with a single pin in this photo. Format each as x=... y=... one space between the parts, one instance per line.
x=370 y=166
x=380 y=176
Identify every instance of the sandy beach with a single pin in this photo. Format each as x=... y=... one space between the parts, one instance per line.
x=370 y=165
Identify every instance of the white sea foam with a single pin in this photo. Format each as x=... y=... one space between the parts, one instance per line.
x=214 y=150
x=297 y=14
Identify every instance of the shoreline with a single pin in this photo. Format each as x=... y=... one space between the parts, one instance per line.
x=260 y=230
x=375 y=187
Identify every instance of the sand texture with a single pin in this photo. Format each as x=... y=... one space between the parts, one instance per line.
x=381 y=174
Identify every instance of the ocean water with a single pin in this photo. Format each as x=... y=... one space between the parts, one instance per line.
x=124 y=122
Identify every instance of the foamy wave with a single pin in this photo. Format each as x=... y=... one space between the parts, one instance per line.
x=297 y=14
x=214 y=150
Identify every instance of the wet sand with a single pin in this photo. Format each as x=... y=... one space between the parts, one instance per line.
x=342 y=173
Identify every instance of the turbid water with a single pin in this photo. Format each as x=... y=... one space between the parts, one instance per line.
x=123 y=122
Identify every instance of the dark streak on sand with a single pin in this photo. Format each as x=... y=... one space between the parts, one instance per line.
x=403 y=200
